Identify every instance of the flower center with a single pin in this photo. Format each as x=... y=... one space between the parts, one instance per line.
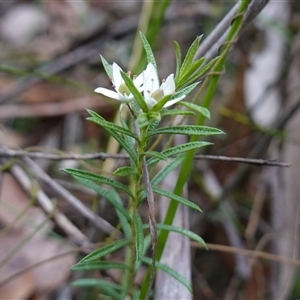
x=123 y=89
x=158 y=94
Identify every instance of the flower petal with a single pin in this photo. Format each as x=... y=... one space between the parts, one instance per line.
x=173 y=101
x=108 y=93
x=117 y=78
x=169 y=85
x=150 y=102
x=151 y=82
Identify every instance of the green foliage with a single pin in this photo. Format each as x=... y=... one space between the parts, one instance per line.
x=139 y=241
x=169 y=271
x=148 y=50
x=108 y=249
x=135 y=92
x=176 y=198
x=186 y=130
x=99 y=178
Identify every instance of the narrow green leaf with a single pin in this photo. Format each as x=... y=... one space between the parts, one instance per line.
x=135 y=92
x=99 y=253
x=187 y=130
x=128 y=140
x=106 y=287
x=194 y=68
x=153 y=125
x=148 y=50
x=96 y=283
x=188 y=233
x=108 y=195
x=107 y=67
x=139 y=236
x=98 y=265
x=167 y=169
x=200 y=73
x=122 y=218
x=185 y=91
x=176 y=198
x=169 y=271
x=127 y=146
x=159 y=105
x=109 y=125
x=189 y=58
x=98 y=178
x=124 y=171
x=200 y=109
x=179 y=149
x=176 y=112
x=123 y=142
x=156 y=154
x=178 y=60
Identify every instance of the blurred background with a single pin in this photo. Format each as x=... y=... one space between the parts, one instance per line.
x=49 y=67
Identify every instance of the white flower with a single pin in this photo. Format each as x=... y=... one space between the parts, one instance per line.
x=153 y=92
x=122 y=92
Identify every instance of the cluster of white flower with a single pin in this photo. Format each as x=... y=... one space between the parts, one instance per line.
x=147 y=83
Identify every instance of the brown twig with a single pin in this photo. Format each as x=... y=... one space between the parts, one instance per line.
x=104 y=156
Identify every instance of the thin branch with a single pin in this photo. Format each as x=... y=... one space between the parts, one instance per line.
x=250 y=253
x=211 y=45
x=60 y=219
x=104 y=156
x=72 y=200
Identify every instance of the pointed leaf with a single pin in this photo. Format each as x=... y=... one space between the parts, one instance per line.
x=107 y=67
x=98 y=265
x=180 y=148
x=148 y=50
x=194 y=68
x=176 y=112
x=159 y=105
x=188 y=233
x=139 y=236
x=178 y=60
x=167 y=169
x=200 y=73
x=128 y=140
x=124 y=171
x=106 y=124
x=123 y=142
x=156 y=154
x=185 y=91
x=187 y=130
x=108 y=195
x=176 y=198
x=99 y=253
x=189 y=58
x=200 y=109
x=135 y=92
x=169 y=271
x=98 y=178
x=107 y=288
x=122 y=218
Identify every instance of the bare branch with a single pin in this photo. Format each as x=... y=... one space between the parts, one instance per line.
x=104 y=156
x=61 y=220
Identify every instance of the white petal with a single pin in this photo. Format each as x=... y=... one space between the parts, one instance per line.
x=173 y=101
x=169 y=85
x=138 y=81
x=151 y=82
x=150 y=102
x=108 y=93
x=117 y=78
